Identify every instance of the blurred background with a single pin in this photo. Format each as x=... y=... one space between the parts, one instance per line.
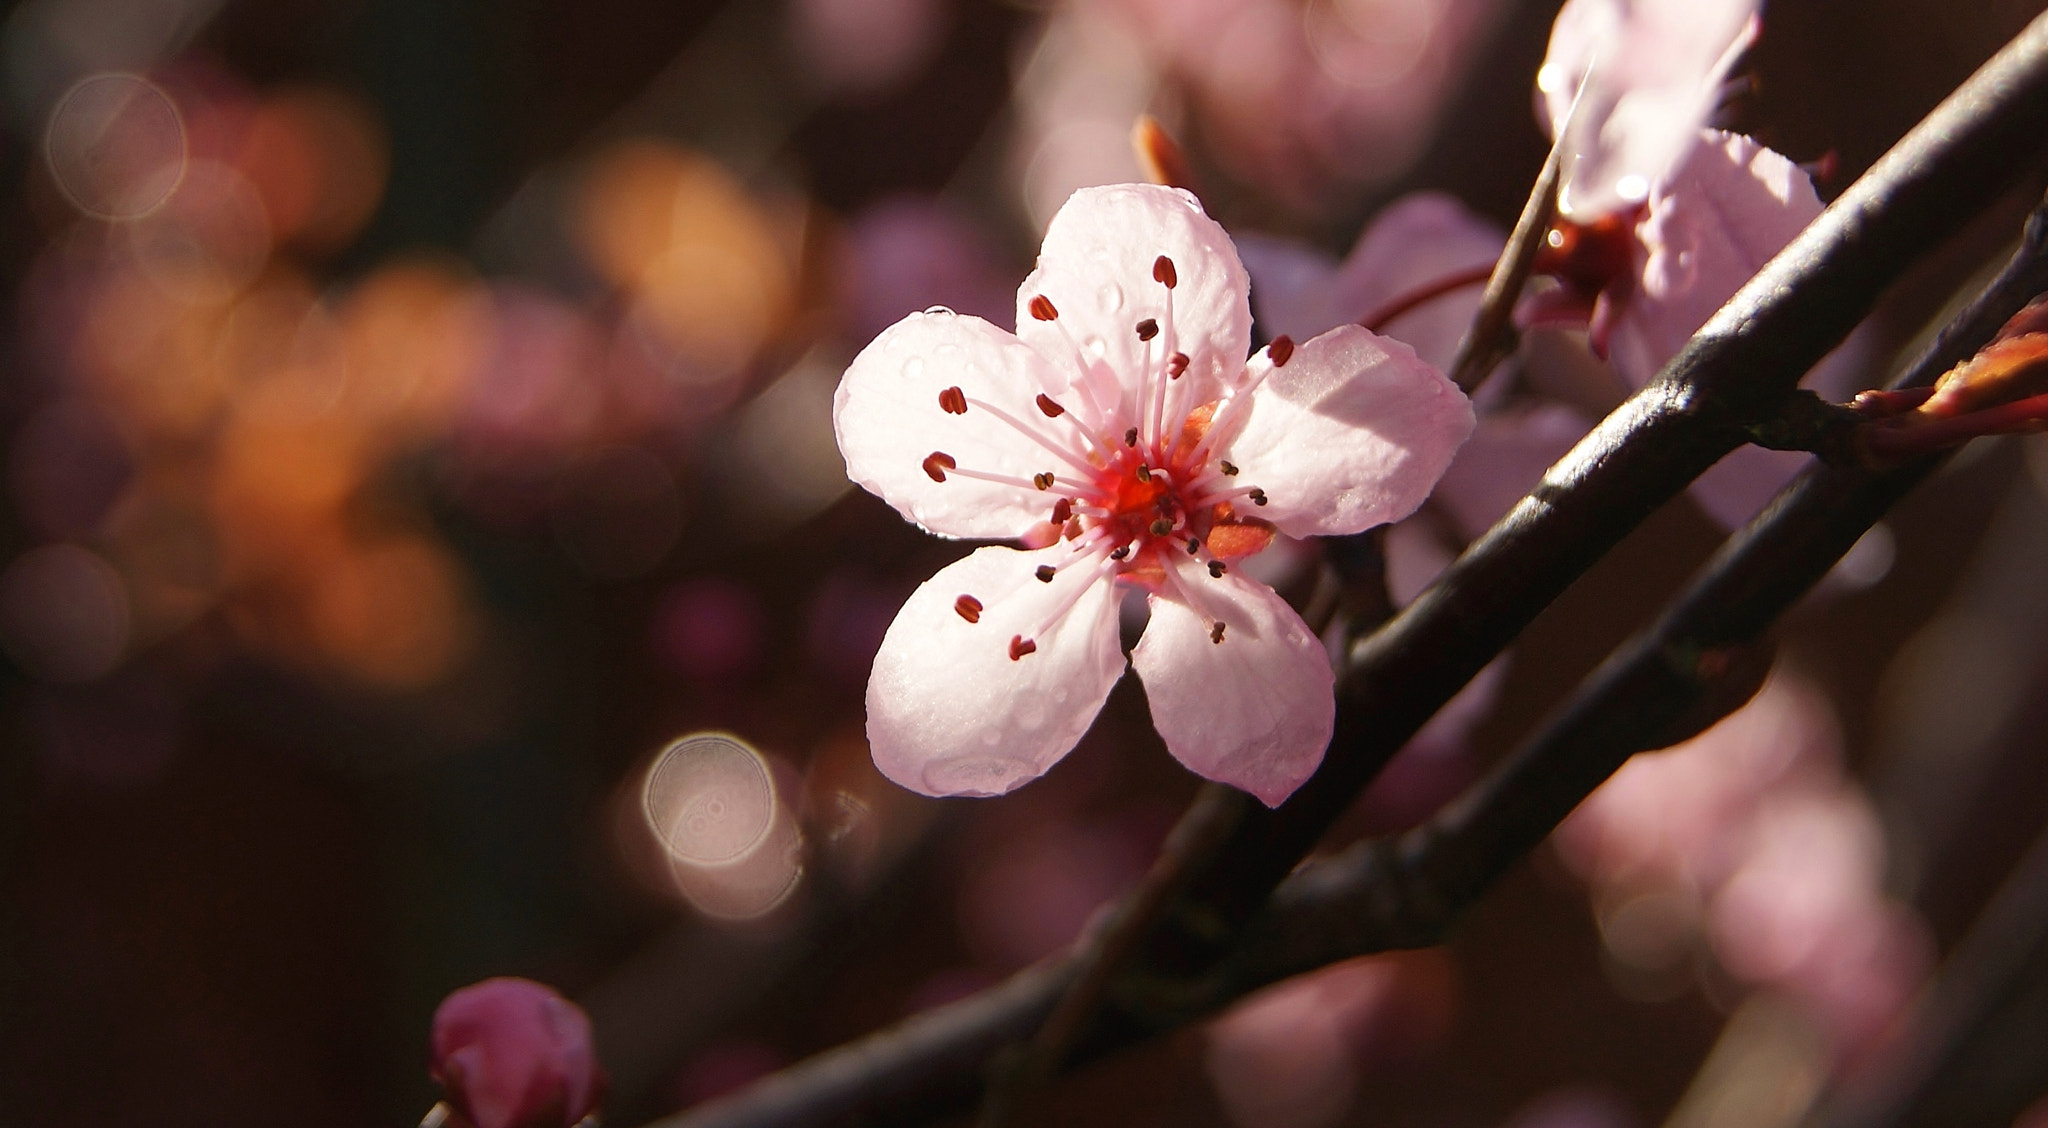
x=416 y=419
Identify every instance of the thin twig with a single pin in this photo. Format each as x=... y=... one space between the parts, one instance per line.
x=1203 y=827
x=1487 y=341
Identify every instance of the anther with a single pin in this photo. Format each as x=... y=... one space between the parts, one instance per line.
x=1280 y=350
x=1215 y=634
x=1161 y=527
x=1148 y=329
x=1229 y=471
x=1258 y=496
x=1216 y=569
x=969 y=608
x=1051 y=409
x=1176 y=365
x=954 y=401
x=1119 y=552
x=1194 y=546
x=1063 y=511
x=1019 y=645
x=1131 y=437
x=937 y=463
x=1045 y=573
x=1042 y=309
x=1163 y=272
x=1143 y=473
x=1044 y=481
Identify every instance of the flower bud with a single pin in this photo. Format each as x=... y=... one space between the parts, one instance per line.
x=512 y=1053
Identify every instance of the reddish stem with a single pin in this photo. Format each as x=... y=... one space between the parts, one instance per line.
x=1429 y=292
x=1897 y=443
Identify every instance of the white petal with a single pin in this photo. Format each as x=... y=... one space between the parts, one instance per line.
x=888 y=420
x=1724 y=212
x=1096 y=267
x=949 y=711
x=1352 y=432
x=1254 y=710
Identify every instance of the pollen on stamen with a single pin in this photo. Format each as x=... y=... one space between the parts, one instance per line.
x=1143 y=473
x=1229 y=471
x=1281 y=350
x=1176 y=365
x=1042 y=309
x=1052 y=410
x=1163 y=272
x=1258 y=496
x=1043 y=480
x=937 y=463
x=1020 y=646
x=1216 y=569
x=1194 y=546
x=953 y=401
x=1215 y=633
x=1148 y=329
x=1131 y=437
x=1063 y=511
x=1045 y=573
x=1119 y=552
x=969 y=608
x=1161 y=527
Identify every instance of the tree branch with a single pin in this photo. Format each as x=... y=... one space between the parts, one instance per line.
x=1733 y=375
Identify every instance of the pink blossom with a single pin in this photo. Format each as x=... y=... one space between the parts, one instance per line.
x=511 y=1053
x=1645 y=76
x=1123 y=431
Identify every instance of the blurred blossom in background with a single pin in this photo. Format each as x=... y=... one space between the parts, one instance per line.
x=425 y=557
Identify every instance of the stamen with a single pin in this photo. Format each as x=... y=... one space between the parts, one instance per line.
x=1161 y=527
x=1148 y=329
x=1216 y=632
x=1045 y=573
x=953 y=401
x=1042 y=309
x=1131 y=437
x=1257 y=495
x=1044 y=481
x=1228 y=469
x=1073 y=530
x=1019 y=645
x=1143 y=473
x=1176 y=365
x=1051 y=409
x=969 y=608
x=1281 y=350
x=1194 y=546
x=1051 y=446
x=1063 y=511
x=1163 y=272
x=1119 y=552
x=937 y=463
x=1216 y=569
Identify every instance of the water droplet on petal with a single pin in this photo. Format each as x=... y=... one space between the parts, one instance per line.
x=913 y=368
x=978 y=775
x=1110 y=297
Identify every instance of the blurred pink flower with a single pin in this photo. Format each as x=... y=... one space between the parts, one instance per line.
x=913 y=252
x=512 y=1053
x=1307 y=100
x=1122 y=432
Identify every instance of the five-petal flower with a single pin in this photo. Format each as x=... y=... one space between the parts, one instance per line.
x=1122 y=431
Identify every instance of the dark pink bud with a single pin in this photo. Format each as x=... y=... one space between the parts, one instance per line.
x=511 y=1053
